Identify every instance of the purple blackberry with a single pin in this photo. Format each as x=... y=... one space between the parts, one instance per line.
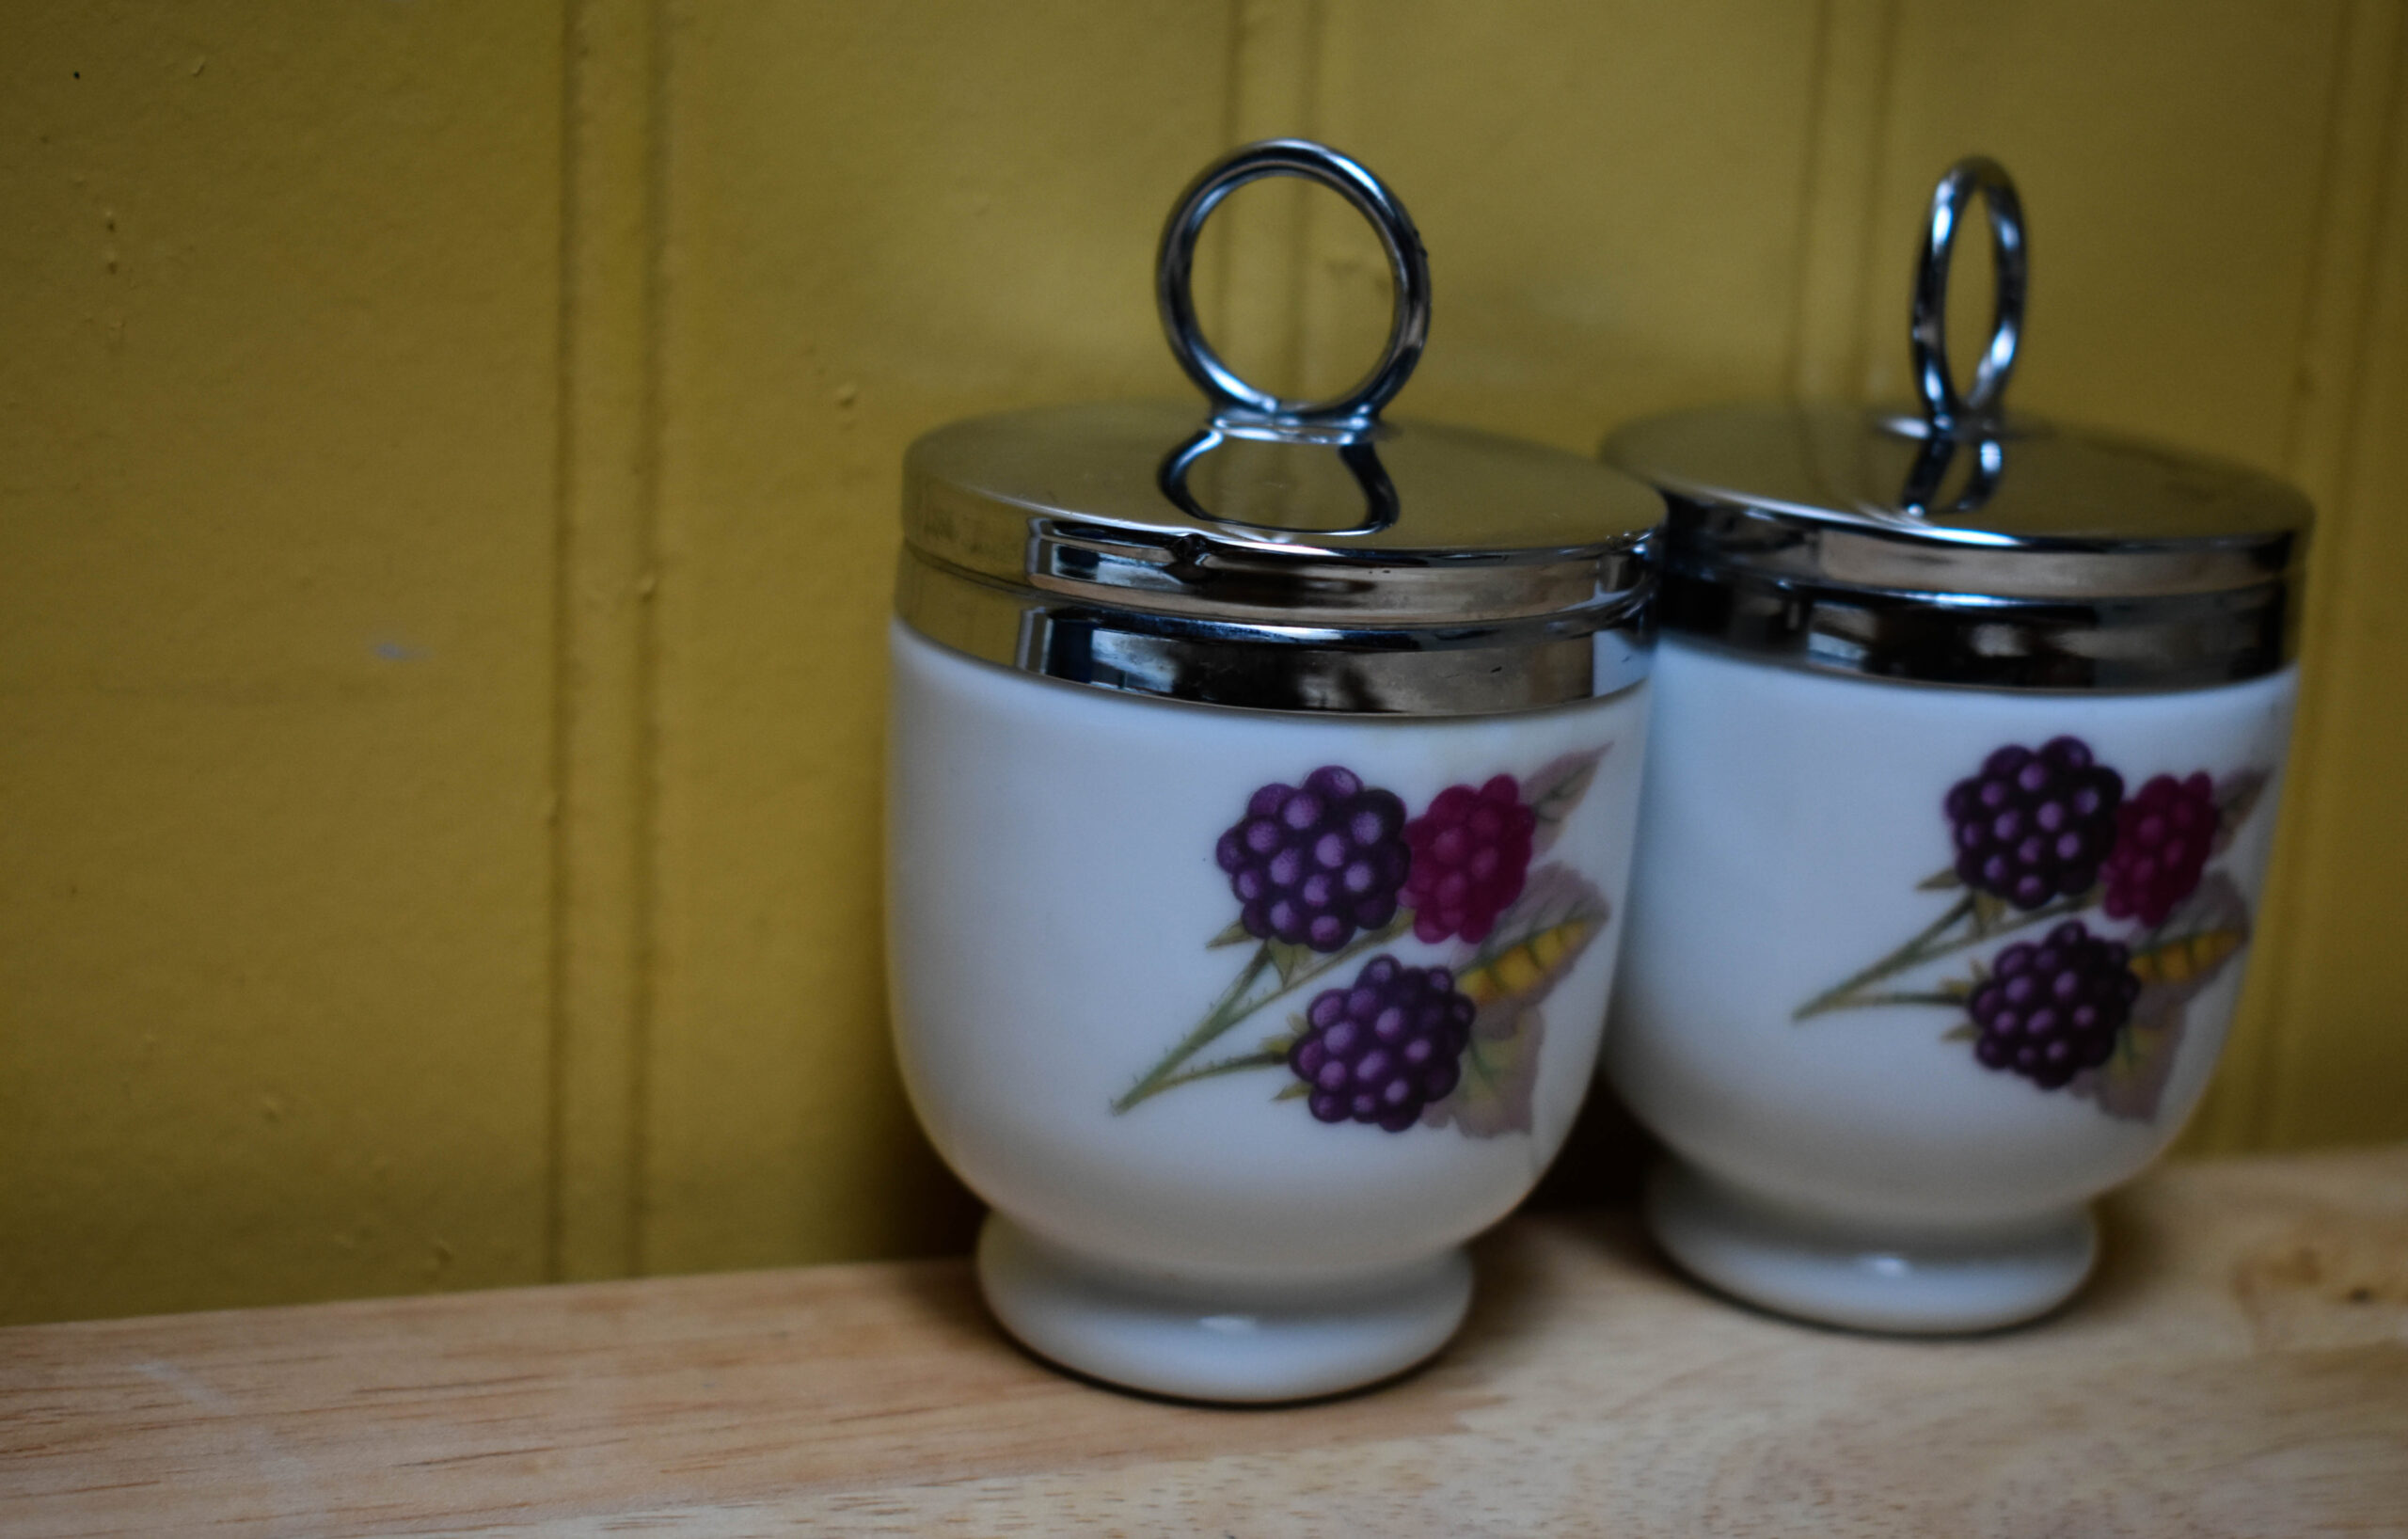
x=1471 y=852
x=1312 y=863
x=2161 y=843
x=1383 y=1047
x=2034 y=825
x=2051 y=1008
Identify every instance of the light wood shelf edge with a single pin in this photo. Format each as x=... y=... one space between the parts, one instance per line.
x=2240 y=1366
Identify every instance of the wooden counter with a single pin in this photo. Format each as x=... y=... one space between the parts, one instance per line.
x=2240 y=1366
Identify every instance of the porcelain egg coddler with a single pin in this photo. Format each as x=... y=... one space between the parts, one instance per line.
x=1968 y=734
x=1261 y=800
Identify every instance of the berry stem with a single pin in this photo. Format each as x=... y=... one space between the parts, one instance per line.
x=1910 y=996
x=1223 y=1066
x=1216 y=1021
x=1930 y=946
x=1233 y=1007
x=1839 y=996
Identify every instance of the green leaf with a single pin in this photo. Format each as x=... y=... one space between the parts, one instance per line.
x=2237 y=796
x=1536 y=944
x=1945 y=880
x=1282 y=1042
x=1289 y=960
x=1501 y=1067
x=1963 y=1031
x=1237 y=934
x=1295 y=1089
x=1556 y=787
x=2130 y=1086
x=2211 y=928
x=1989 y=910
x=2173 y=972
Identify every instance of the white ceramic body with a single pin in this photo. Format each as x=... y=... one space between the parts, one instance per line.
x=1052 y=891
x=1860 y=1165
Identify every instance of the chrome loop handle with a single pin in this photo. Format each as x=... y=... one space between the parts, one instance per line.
x=1356 y=451
x=1985 y=466
x=1233 y=399
x=1944 y=410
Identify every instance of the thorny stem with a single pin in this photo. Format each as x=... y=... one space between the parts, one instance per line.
x=1929 y=947
x=1233 y=1007
x=1216 y=1021
x=1265 y=1059
x=1836 y=997
x=1908 y=996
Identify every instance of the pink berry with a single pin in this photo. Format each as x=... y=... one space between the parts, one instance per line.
x=2164 y=837
x=1471 y=853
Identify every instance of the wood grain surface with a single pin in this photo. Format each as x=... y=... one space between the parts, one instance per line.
x=2238 y=1367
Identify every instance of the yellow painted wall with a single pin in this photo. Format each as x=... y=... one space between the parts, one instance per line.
x=447 y=460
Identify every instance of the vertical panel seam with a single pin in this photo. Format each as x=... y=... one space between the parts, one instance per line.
x=1232 y=120
x=1302 y=301
x=1818 y=110
x=602 y=556
x=1275 y=87
x=2248 y=1077
x=1877 y=176
x=2334 y=257
x=653 y=419
x=1848 y=126
x=556 y=962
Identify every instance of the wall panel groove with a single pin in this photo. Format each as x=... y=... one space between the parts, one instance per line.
x=1839 y=216
x=2333 y=345
x=876 y=220
x=1255 y=254
x=607 y=377
x=2336 y=1068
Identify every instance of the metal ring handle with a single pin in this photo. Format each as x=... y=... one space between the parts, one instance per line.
x=1358 y=454
x=1174 y=273
x=1944 y=410
x=1986 y=465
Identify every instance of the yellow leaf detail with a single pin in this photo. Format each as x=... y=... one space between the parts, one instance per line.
x=1550 y=945
x=1525 y=966
x=1518 y=970
x=2184 y=958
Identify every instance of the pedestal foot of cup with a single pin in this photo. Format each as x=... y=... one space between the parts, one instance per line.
x=1219 y=1341
x=1918 y=1282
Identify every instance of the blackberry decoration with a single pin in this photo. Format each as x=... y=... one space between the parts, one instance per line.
x=1471 y=853
x=2034 y=825
x=2051 y=1008
x=1383 y=1047
x=1312 y=863
x=2163 y=835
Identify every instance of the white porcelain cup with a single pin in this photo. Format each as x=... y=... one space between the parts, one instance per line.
x=1222 y=1166
x=1882 y=1106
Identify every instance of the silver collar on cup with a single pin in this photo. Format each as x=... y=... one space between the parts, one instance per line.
x=1957 y=545
x=1287 y=555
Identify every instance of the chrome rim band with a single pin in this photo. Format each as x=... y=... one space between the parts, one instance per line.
x=1467 y=670
x=2188 y=640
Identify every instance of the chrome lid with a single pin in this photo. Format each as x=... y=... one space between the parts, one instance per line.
x=1276 y=554
x=1960 y=545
